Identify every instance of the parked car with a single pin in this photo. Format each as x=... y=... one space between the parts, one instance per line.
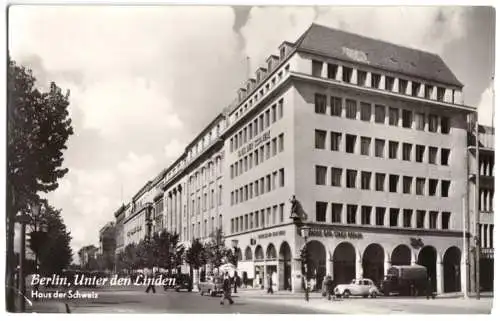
x=212 y=287
x=182 y=282
x=405 y=280
x=358 y=287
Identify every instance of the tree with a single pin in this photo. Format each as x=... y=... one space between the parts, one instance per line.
x=55 y=254
x=196 y=254
x=38 y=126
x=215 y=250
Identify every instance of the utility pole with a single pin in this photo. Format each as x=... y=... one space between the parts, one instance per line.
x=476 y=203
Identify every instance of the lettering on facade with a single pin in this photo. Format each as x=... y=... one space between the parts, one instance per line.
x=134 y=230
x=259 y=140
x=271 y=234
x=337 y=234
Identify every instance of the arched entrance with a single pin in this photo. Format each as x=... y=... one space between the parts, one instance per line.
x=271 y=266
x=316 y=267
x=373 y=263
x=451 y=269
x=271 y=252
x=401 y=255
x=259 y=267
x=259 y=253
x=344 y=263
x=427 y=257
x=285 y=261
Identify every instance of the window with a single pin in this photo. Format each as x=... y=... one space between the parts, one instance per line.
x=346 y=74
x=379 y=216
x=273 y=116
x=336 y=106
x=366 y=111
x=268 y=183
x=376 y=81
x=445 y=220
x=320 y=175
x=351 y=214
x=321 y=211
x=282 y=213
x=268 y=150
x=415 y=88
x=407 y=214
x=332 y=71
x=256 y=219
x=250 y=190
x=420 y=121
x=281 y=142
x=275 y=179
x=379 y=114
x=419 y=190
x=361 y=78
x=366 y=178
x=366 y=213
x=351 y=108
x=393 y=183
x=393 y=150
x=351 y=178
x=379 y=182
x=432 y=186
x=407 y=118
x=420 y=218
x=256 y=157
x=267 y=117
x=282 y=53
x=274 y=146
x=432 y=155
x=445 y=154
x=394 y=217
x=256 y=127
x=336 y=213
x=365 y=145
x=316 y=68
x=440 y=93
x=389 y=83
x=282 y=177
x=256 y=184
x=232 y=225
x=262 y=186
x=445 y=188
x=428 y=91
x=403 y=84
x=320 y=139
x=379 y=147
x=433 y=123
x=393 y=116
x=445 y=125
x=433 y=219
x=335 y=140
x=407 y=181
x=212 y=199
x=319 y=104
x=280 y=109
x=419 y=153
x=336 y=176
x=407 y=151
x=350 y=143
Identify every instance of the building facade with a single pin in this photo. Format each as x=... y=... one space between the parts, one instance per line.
x=370 y=137
x=87 y=254
x=119 y=229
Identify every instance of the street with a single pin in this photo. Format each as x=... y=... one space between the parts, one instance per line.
x=135 y=300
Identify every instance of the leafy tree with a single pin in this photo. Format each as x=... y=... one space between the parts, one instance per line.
x=38 y=127
x=196 y=254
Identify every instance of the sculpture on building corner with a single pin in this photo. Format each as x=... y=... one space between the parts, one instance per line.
x=297 y=213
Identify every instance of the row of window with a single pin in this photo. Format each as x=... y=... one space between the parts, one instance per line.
x=269 y=216
x=259 y=155
x=257 y=126
x=381 y=216
x=206 y=174
x=349 y=108
x=486 y=200
x=486 y=165
x=365 y=147
x=260 y=186
x=197 y=231
x=486 y=235
x=379 y=182
x=204 y=142
x=360 y=77
x=196 y=203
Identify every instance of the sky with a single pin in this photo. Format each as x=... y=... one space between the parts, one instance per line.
x=144 y=81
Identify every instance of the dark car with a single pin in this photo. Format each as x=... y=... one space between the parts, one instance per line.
x=180 y=282
x=409 y=280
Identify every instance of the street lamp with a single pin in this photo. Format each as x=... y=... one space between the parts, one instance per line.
x=304 y=231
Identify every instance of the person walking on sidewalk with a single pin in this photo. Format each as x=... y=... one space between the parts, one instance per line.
x=270 y=284
x=150 y=278
x=226 y=287
x=236 y=281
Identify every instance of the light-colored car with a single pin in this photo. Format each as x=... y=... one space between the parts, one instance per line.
x=212 y=287
x=358 y=287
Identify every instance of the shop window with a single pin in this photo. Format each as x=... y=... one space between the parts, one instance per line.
x=321 y=211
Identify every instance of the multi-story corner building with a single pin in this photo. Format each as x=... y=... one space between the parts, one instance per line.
x=371 y=138
x=485 y=204
x=137 y=223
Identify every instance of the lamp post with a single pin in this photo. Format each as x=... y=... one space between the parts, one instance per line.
x=304 y=230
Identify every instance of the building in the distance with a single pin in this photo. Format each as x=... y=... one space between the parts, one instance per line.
x=485 y=203
x=87 y=254
x=119 y=228
x=107 y=245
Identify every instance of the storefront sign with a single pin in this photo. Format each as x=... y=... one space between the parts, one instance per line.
x=259 y=140
x=337 y=234
x=271 y=234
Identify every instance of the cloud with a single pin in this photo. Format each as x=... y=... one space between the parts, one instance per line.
x=135 y=165
x=485 y=107
x=431 y=28
x=174 y=149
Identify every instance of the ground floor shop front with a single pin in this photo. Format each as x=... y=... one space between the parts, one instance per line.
x=348 y=252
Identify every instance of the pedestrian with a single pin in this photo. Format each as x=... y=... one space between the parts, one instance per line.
x=329 y=287
x=270 y=284
x=226 y=287
x=236 y=281
x=150 y=280
x=429 y=288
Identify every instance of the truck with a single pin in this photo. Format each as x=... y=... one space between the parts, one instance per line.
x=405 y=280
